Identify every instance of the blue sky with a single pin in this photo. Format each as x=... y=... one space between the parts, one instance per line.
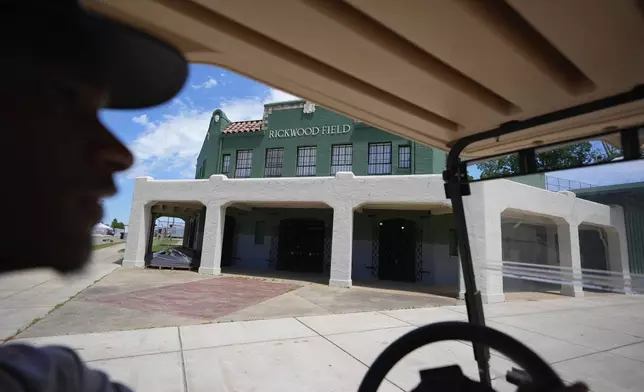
x=166 y=140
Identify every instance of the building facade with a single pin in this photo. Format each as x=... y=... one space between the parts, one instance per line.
x=292 y=142
x=631 y=198
x=310 y=191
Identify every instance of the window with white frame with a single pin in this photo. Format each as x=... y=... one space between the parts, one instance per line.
x=274 y=162
x=225 y=164
x=341 y=158
x=244 y=163
x=379 y=158
x=404 y=157
x=306 y=161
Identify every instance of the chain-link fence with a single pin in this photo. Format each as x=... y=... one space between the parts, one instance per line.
x=169 y=227
x=557 y=184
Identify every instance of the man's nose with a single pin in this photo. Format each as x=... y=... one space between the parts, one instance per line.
x=112 y=156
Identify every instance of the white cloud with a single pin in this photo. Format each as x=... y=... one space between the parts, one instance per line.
x=170 y=145
x=242 y=109
x=142 y=119
x=252 y=108
x=279 y=96
x=168 y=148
x=210 y=83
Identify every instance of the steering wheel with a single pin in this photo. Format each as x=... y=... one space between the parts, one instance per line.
x=543 y=377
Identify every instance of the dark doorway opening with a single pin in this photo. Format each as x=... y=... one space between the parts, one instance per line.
x=228 y=242
x=592 y=250
x=301 y=245
x=397 y=239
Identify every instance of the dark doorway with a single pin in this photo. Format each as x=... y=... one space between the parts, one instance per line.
x=301 y=245
x=397 y=250
x=228 y=242
x=592 y=250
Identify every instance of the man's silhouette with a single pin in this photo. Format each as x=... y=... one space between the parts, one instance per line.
x=60 y=66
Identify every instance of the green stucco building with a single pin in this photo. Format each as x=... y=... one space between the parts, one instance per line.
x=308 y=191
x=299 y=139
x=289 y=142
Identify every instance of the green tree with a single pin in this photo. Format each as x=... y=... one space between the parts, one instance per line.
x=503 y=166
x=572 y=155
x=117 y=225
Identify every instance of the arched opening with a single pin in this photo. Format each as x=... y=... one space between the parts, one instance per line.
x=530 y=253
x=594 y=254
x=281 y=240
x=168 y=232
x=593 y=248
x=408 y=247
x=175 y=237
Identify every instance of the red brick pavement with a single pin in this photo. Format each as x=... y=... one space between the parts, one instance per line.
x=205 y=299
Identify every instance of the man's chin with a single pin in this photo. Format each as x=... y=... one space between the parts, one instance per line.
x=65 y=257
x=66 y=262
x=74 y=260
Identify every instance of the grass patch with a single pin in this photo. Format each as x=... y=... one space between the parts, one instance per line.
x=105 y=245
x=159 y=244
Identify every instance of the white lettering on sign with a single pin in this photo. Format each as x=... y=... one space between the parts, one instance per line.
x=310 y=131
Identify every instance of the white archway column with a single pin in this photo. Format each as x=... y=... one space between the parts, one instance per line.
x=551 y=243
x=186 y=231
x=483 y=217
x=199 y=229
x=341 y=245
x=138 y=228
x=618 y=247
x=213 y=237
x=570 y=258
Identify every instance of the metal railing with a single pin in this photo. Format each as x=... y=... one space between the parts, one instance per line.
x=609 y=281
x=557 y=184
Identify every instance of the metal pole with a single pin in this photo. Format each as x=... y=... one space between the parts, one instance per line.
x=473 y=301
x=457 y=186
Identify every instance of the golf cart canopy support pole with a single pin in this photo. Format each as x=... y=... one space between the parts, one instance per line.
x=457 y=186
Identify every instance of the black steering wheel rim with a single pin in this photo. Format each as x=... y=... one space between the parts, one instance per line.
x=543 y=376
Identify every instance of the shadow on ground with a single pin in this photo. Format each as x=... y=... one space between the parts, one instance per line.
x=146 y=298
x=299 y=278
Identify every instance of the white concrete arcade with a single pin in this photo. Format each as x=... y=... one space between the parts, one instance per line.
x=346 y=193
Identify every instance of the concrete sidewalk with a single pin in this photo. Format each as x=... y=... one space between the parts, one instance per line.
x=597 y=339
x=27 y=296
x=135 y=298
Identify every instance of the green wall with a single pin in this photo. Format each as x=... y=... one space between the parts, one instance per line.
x=425 y=160
x=435 y=227
x=629 y=196
x=245 y=220
x=208 y=159
x=634 y=222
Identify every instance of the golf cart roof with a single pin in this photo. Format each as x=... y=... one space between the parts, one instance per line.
x=430 y=71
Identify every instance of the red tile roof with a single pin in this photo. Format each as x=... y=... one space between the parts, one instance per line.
x=244 y=126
